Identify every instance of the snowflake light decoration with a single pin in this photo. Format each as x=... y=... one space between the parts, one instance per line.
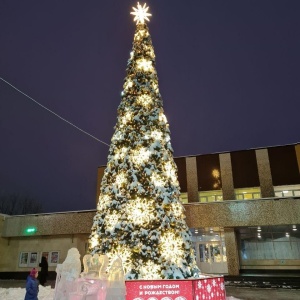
x=140 y=211
x=171 y=247
x=111 y=220
x=141 y=13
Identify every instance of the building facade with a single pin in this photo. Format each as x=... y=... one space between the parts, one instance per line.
x=242 y=207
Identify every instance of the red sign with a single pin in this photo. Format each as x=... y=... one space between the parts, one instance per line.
x=159 y=290
x=210 y=288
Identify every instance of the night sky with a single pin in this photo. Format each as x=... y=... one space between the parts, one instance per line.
x=228 y=74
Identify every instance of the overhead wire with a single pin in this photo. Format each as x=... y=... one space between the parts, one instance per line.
x=52 y=112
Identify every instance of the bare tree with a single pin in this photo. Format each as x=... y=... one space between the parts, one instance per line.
x=18 y=204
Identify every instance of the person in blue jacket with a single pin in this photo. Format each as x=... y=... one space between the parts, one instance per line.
x=32 y=286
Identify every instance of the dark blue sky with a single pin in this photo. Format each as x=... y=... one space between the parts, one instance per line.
x=228 y=74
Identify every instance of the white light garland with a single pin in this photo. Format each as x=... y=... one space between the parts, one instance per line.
x=144 y=65
x=140 y=156
x=177 y=209
x=121 y=178
x=170 y=171
x=156 y=134
x=162 y=118
x=127 y=117
x=120 y=153
x=128 y=84
x=157 y=180
x=103 y=201
x=94 y=241
x=150 y=271
x=144 y=100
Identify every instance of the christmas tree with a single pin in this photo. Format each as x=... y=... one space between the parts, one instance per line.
x=139 y=214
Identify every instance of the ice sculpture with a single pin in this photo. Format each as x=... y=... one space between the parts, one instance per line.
x=103 y=269
x=67 y=273
x=94 y=282
x=95 y=266
x=116 y=281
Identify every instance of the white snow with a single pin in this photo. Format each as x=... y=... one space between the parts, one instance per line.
x=45 y=293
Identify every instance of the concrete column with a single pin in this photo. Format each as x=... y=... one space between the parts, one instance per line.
x=232 y=251
x=264 y=173
x=297 y=149
x=226 y=176
x=192 y=179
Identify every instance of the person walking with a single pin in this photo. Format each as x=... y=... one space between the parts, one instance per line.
x=32 y=285
x=44 y=271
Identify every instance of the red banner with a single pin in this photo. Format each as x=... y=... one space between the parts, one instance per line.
x=211 y=288
x=159 y=290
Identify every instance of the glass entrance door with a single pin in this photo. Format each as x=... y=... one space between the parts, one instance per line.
x=211 y=257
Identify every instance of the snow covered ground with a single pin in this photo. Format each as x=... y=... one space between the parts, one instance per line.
x=45 y=293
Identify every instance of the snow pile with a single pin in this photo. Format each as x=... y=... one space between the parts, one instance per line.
x=45 y=293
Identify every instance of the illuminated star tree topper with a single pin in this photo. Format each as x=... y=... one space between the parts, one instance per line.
x=141 y=13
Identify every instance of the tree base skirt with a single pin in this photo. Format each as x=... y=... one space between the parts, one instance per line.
x=206 y=288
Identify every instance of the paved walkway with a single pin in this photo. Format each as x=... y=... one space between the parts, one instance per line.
x=262 y=294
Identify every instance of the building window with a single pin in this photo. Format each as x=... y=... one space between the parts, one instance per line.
x=269 y=243
x=184 y=198
x=208 y=173
x=211 y=196
x=247 y=193
x=244 y=169
x=285 y=191
x=284 y=165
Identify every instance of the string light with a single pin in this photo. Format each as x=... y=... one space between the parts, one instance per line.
x=144 y=65
x=52 y=112
x=150 y=270
x=111 y=220
x=140 y=155
x=144 y=100
x=104 y=200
